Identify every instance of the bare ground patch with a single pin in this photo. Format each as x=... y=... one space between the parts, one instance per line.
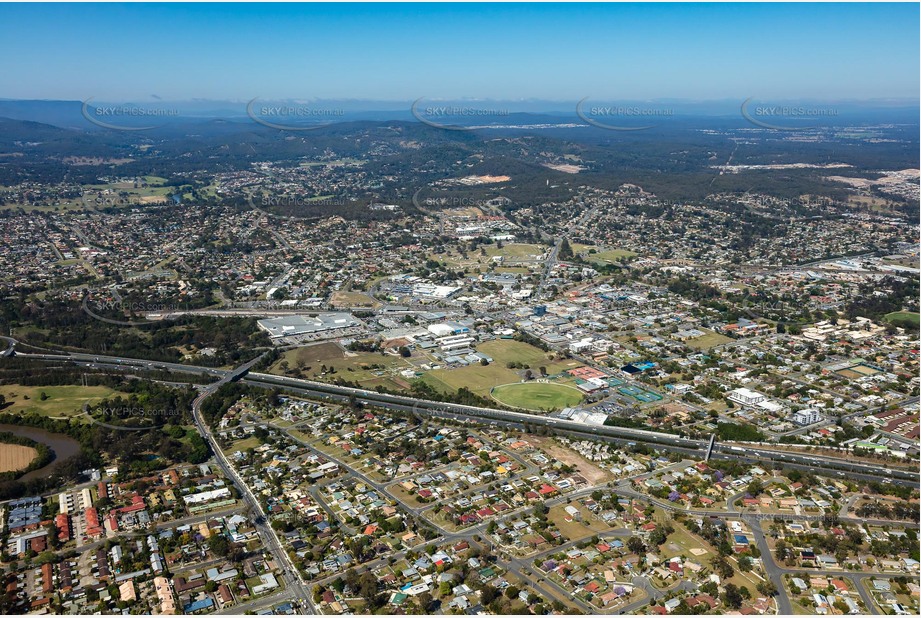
x=15 y=457
x=592 y=473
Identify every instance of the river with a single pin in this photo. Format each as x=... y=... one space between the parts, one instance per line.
x=63 y=447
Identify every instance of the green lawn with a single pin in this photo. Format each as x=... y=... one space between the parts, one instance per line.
x=707 y=341
x=244 y=445
x=611 y=256
x=504 y=351
x=477 y=378
x=482 y=379
x=537 y=396
x=351 y=366
x=901 y=316
x=515 y=250
x=61 y=401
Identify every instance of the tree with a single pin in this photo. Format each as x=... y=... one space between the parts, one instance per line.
x=745 y=564
x=352 y=580
x=635 y=545
x=219 y=545
x=425 y=601
x=722 y=567
x=488 y=594
x=367 y=586
x=732 y=596
x=780 y=550
x=565 y=250
x=767 y=588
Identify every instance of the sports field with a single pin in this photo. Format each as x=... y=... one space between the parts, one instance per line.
x=537 y=396
x=907 y=316
x=504 y=351
x=510 y=252
x=481 y=379
x=352 y=299
x=478 y=378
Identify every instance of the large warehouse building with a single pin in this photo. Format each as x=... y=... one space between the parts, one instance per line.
x=289 y=325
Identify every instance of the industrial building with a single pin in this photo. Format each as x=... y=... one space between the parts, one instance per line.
x=287 y=326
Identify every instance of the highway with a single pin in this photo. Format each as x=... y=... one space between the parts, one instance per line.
x=832 y=466
x=750 y=453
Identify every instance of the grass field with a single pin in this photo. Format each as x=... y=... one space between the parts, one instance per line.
x=515 y=250
x=510 y=252
x=353 y=366
x=537 y=396
x=710 y=340
x=15 y=457
x=611 y=256
x=592 y=473
x=353 y=299
x=482 y=379
x=574 y=530
x=504 y=351
x=62 y=401
x=244 y=445
x=914 y=318
x=477 y=378
x=683 y=543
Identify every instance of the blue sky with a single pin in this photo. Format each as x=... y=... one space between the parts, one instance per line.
x=478 y=51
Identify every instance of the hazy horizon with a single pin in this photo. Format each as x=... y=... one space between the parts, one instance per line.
x=480 y=52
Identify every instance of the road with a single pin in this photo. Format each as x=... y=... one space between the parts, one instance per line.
x=750 y=453
x=296 y=587
x=753 y=454
x=294 y=584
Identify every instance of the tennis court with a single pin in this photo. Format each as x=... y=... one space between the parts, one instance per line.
x=640 y=394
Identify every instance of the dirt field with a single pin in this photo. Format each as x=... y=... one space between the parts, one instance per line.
x=15 y=457
x=353 y=299
x=592 y=473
